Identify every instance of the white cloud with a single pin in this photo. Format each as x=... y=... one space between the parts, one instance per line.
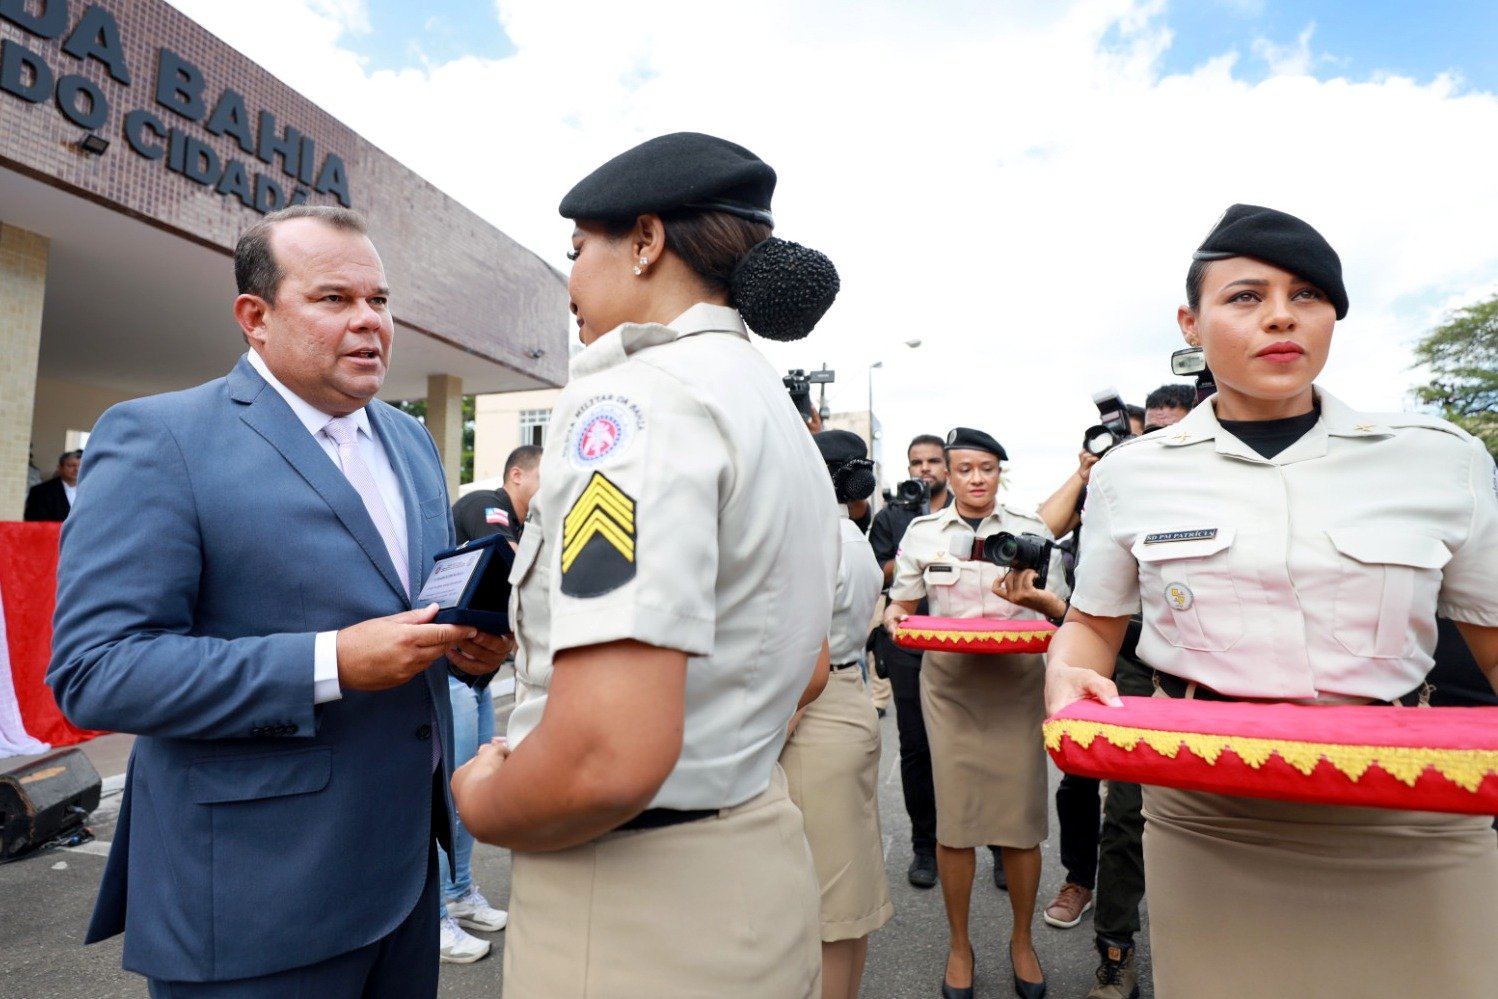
x=1019 y=188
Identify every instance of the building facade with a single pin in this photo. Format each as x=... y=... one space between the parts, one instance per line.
x=135 y=147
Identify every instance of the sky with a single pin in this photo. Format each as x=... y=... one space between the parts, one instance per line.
x=1017 y=185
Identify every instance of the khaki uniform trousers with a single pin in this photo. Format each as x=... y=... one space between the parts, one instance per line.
x=723 y=907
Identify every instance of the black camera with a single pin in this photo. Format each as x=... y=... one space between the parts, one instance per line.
x=913 y=495
x=1113 y=423
x=1193 y=361
x=798 y=383
x=1017 y=551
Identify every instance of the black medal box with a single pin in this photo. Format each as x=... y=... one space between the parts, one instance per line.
x=471 y=584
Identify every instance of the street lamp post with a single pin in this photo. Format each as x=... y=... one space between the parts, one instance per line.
x=873 y=445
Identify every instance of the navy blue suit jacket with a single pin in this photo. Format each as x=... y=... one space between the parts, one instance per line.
x=212 y=539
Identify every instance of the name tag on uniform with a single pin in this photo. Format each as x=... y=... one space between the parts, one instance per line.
x=939 y=567
x=1166 y=536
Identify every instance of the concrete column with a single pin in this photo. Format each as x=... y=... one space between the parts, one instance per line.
x=445 y=421
x=23 y=283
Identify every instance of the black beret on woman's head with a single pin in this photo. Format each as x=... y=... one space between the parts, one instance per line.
x=782 y=289
x=680 y=170
x=1282 y=240
x=968 y=439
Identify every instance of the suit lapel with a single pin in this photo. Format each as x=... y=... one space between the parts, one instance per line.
x=268 y=415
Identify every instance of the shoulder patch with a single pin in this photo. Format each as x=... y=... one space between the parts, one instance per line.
x=601 y=430
x=598 y=540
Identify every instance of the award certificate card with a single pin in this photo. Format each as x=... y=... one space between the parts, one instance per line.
x=449 y=579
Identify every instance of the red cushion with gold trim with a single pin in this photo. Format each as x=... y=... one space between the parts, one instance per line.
x=1426 y=759
x=973 y=634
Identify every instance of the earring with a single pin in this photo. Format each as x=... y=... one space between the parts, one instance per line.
x=640 y=267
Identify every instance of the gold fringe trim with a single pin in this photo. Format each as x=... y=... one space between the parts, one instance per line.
x=1465 y=768
x=926 y=635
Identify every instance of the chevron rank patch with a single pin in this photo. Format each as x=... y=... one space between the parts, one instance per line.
x=598 y=540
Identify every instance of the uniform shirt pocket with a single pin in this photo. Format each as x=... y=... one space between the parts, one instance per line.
x=940 y=580
x=1188 y=592
x=1385 y=575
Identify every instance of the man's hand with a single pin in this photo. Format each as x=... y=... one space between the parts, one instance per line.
x=1065 y=684
x=1018 y=587
x=482 y=654
x=385 y=652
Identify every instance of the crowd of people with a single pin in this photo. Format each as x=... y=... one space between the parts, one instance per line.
x=687 y=782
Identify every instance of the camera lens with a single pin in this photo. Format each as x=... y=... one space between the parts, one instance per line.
x=1098 y=440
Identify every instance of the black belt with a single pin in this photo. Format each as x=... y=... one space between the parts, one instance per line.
x=1175 y=687
x=837 y=666
x=660 y=818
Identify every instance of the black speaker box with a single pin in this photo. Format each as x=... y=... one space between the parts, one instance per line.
x=45 y=798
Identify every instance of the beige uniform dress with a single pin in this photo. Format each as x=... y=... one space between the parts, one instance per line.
x=831 y=761
x=682 y=505
x=1316 y=574
x=983 y=712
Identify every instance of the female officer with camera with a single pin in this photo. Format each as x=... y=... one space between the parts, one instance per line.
x=671 y=619
x=831 y=759
x=983 y=712
x=1287 y=547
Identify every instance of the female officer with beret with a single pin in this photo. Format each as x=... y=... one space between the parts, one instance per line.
x=983 y=712
x=831 y=760
x=1287 y=547
x=672 y=594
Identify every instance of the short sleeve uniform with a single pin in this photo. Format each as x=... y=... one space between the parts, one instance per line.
x=831 y=761
x=682 y=505
x=1315 y=574
x=983 y=712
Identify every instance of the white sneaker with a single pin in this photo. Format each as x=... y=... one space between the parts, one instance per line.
x=475 y=912
x=458 y=947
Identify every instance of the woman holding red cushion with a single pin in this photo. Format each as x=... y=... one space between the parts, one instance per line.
x=1290 y=548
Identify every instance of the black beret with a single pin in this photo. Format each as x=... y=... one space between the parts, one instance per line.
x=680 y=170
x=968 y=439
x=840 y=446
x=1279 y=239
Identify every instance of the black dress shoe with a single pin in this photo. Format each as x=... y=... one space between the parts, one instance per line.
x=1027 y=990
x=953 y=992
x=922 y=872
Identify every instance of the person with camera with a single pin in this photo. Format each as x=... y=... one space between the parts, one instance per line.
x=831 y=759
x=925 y=491
x=983 y=713
x=1288 y=548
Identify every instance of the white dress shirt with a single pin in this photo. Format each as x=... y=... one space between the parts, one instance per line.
x=325 y=655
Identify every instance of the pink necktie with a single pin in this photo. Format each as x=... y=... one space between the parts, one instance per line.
x=343 y=431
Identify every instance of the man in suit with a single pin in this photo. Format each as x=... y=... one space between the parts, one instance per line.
x=53 y=499
x=235 y=587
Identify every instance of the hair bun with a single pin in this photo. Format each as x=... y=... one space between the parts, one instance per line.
x=782 y=289
x=856 y=484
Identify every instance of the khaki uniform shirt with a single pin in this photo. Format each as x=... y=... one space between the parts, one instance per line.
x=926 y=566
x=683 y=505
x=1317 y=572
x=859 y=581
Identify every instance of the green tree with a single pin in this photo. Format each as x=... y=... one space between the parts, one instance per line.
x=418 y=409
x=1462 y=355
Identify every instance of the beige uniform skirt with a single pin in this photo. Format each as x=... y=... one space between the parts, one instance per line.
x=723 y=907
x=983 y=715
x=831 y=767
x=1252 y=898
